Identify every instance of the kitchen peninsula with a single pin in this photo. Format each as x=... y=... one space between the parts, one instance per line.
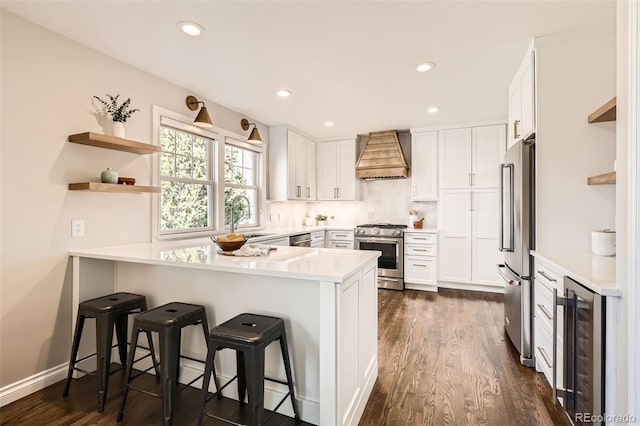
x=327 y=297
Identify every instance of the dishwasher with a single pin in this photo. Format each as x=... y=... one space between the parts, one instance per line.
x=300 y=240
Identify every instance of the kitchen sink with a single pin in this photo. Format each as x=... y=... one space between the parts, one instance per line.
x=258 y=235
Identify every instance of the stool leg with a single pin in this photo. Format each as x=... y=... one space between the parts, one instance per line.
x=122 y=323
x=74 y=352
x=208 y=369
x=205 y=330
x=127 y=378
x=104 y=340
x=287 y=369
x=254 y=366
x=169 y=357
x=242 y=376
x=153 y=355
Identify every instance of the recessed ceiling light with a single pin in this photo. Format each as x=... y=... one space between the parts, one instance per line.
x=328 y=123
x=433 y=110
x=425 y=67
x=284 y=93
x=190 y=28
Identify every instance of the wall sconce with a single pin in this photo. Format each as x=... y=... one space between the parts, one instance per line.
x=202 y=119
x=254 y=136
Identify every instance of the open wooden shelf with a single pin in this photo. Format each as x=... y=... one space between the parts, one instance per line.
x=112 y=142
x=603 y=179
x=112 y=187
x=606 y=112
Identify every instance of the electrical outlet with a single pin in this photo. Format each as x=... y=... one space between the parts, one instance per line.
x=77 y=228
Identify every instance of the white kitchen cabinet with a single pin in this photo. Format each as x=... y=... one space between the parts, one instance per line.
x=340 y=239
x=317 y=239
x=522 y=120
x=424 y=166
x=546 y=280
x=420 y=260
x=468 y=237
x=469 y=156
x=292 y=165
x=336 y=170
x=279 y=241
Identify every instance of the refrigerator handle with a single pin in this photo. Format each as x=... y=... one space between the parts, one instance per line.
x=502 y=246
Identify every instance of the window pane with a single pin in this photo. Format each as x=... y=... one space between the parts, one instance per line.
x=200 y=147
x=199 y=169
x=167 y=164
x=168 y=139
x=183 y=143
x=184 y=205
x=240 y=207
x=183 y=166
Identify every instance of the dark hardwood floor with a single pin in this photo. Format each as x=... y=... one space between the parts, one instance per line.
x=443 y=359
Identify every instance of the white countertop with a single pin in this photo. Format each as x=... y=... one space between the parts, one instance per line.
x=317 y=264
x=597 y=273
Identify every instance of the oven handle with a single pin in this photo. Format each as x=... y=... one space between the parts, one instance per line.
x=378 y=240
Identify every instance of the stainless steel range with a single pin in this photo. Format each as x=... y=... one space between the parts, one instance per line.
x=388 y=239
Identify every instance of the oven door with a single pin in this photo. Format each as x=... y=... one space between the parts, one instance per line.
x=390 y=263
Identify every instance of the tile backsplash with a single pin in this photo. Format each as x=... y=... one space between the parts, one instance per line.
x=383 y=201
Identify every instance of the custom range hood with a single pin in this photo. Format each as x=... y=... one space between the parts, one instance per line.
x=382 y=157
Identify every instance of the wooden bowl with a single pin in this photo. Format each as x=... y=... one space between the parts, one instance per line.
x=126 y=181
x=230 y=245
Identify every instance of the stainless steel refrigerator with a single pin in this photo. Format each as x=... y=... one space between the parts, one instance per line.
x=517 y=238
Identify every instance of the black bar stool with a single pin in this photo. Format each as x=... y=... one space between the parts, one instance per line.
x=108 y=311
x=168 y=321
x=248 y=335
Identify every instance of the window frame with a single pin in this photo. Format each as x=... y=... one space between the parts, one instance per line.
x=258 y=180
x=220 y=137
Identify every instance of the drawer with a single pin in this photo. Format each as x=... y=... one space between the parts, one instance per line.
x=543 y=302
x=341 y=245
x=419 y=250
x=420 y=270
x=419 y=238
x=547 y=276
x=544 y=354
x=341 y=235
x=317 y=236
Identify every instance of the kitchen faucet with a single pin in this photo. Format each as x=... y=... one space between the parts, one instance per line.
x=233 y=203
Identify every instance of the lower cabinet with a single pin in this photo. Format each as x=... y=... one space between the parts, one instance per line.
x=317 y=239
x=340 y=239
x=280 y=241
x=420 y=260
x=546 y=280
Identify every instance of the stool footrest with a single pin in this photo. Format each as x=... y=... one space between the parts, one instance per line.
x=213 y=416
x=146 y=392
x=227 y=384
x=190 y=383
x=282 y=382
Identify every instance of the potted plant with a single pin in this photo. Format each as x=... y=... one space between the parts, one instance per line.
x=119 y=113
x=321 y=219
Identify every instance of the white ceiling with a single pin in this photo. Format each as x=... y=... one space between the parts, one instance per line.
x=349 y=62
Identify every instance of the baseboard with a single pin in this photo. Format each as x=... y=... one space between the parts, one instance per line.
x=421 y=287
x=473 y=287
x=273 y=392
x=29 y=385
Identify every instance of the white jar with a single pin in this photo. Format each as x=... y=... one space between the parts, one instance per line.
x=109 y=176
x=603 y=242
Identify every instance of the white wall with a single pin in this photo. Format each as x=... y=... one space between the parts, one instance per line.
x=47 y=84
x=576 y=75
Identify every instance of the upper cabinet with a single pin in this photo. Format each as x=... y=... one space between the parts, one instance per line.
x=292 y=165
x=337 y=170
x=469 y=156
x=522 y=120
x=424 y=166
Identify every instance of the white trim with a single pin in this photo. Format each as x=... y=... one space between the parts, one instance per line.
x=433 y=288
x=339 y=138
x=29 y=385
x=458 y=125
x=472 y=287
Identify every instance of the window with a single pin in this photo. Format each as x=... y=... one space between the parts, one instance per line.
x=241 y=177
x=186 y=181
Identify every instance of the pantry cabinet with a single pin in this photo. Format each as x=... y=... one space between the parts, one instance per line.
x=336 y=170
x=424 y=166
x=292 y=165
x=522 y=120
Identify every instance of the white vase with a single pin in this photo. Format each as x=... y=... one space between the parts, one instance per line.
x=109 y=176
x=118 y=129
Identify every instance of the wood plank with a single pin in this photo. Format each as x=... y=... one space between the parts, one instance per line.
x=603 y=179
x=112 y=142
x=112 y=187
x=606 y=112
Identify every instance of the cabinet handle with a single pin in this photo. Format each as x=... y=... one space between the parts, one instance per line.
x=419 y=264
x=471 y=201
x=308 y=192
x=334 y=193
x=299 y=193
x=416 y=249
x=516 y=135
x=341 y=245
x=338 y=190
x=547 y=276
x=545 y=312
x=340 y=235
x=544 y=356
x=419 y=238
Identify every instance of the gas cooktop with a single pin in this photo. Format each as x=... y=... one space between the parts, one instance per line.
x=382 y=225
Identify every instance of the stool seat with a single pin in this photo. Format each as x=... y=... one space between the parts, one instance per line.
x=168 y=321
x=249 y=335
x=109 y=311
x=249 y=329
